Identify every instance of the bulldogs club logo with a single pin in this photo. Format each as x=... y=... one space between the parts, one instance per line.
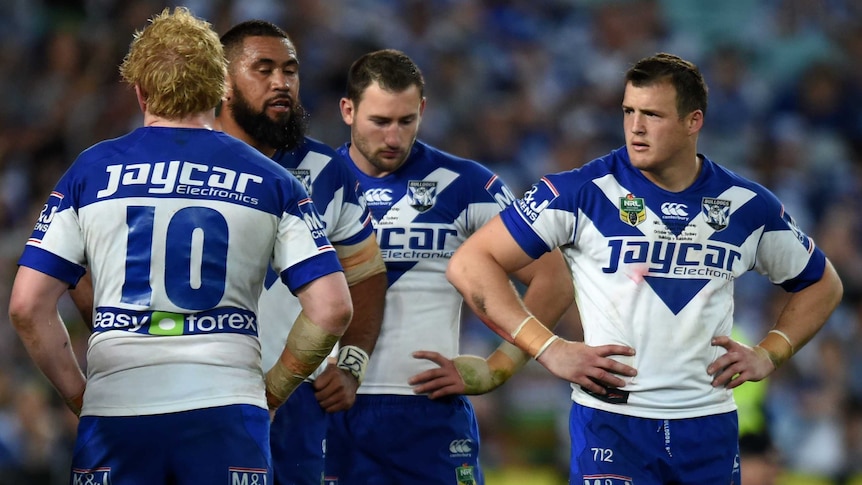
x=303 y=176
x=421 y=194
x=716 y=212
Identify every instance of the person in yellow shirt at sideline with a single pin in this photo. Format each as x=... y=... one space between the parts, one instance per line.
x=759 y=460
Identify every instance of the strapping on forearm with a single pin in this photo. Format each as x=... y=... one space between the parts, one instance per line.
x=484 y=375
x=306 y=347
x=360 y=261
x=75 y=403
x=778 y=346
x=532 y=337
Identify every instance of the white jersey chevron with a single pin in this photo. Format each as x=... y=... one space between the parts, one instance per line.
x=422 y=213
x=655 y=269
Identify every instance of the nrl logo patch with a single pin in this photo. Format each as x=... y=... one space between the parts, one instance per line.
x=716 y=212
x=632 y=210
x=464 y=475
x=421 y=194
x=303 y=176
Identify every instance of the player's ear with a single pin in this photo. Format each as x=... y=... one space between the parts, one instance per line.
x=695 y=121
x=228 y=89
x=142 y=98
x=348 y=111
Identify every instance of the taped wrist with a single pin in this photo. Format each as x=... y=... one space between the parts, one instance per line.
x=306 y=347
x=778 y=347
x=484 y=375
x=361 y=261
x=476 y=374
x=354 y=360
x=532 y=337
x=75 y=403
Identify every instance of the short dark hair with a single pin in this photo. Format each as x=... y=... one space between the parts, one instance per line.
x=684 y=76
x=232 y=39
x=393 y=70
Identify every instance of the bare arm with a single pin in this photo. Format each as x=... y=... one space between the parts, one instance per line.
x=335 y=388
x=480 y=268
x=82 y=297
x=33 y=311
x=549 y=294
x=366 y=275
x=326 y=302
x=802 y=317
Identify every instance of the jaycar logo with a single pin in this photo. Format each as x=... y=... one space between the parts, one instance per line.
x=182 y=178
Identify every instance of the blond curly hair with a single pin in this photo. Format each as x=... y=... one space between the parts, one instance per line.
x=178 y=62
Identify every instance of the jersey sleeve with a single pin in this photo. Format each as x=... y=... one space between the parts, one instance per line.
x=56 y=245
x=539 y=221
x=354 y=221
x=785 y=253
x=302 y=251
x=494 y=196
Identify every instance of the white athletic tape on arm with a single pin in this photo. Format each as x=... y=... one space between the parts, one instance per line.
x=532 y=337
x=354 y=360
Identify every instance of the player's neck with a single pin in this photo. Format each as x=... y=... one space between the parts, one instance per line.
x=204 y=120
x=227 y=124
x=676 y=178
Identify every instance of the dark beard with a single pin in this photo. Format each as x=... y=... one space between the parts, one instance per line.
x=286 y=132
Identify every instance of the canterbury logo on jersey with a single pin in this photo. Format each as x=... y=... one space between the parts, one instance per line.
x=674 y=209
x=219 y=320
x=378 y=196
x=183 y=178
x=461 y=447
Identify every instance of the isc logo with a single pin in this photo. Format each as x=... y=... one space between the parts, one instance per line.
x=164 y=177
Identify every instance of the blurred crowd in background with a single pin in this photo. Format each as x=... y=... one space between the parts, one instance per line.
x=526 y=87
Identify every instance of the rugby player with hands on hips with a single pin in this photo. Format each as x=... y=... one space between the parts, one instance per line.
x=411 y=422
x=652 y=382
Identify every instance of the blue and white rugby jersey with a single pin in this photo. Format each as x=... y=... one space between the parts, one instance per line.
x=655 y=269
x=178 y=227
x=422 y=213
x=344 y=218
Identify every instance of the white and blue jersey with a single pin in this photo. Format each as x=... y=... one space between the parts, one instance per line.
x=422 y=213
x=654 y=270
x=344 y=218
x=177 y=227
